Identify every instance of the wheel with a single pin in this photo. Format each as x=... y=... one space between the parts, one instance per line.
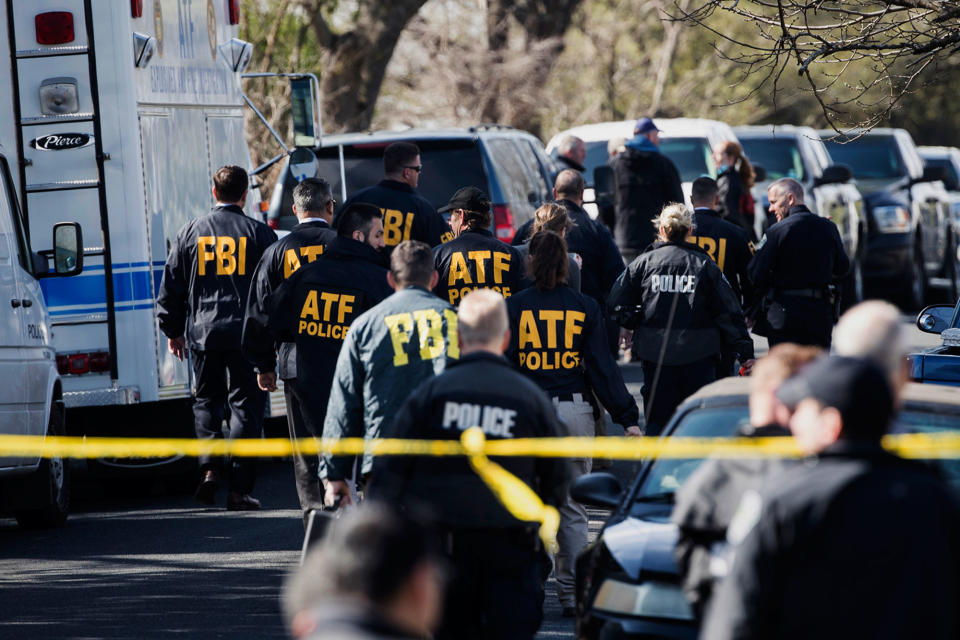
x=852 y=290
x=50 y=483
x=915 y=286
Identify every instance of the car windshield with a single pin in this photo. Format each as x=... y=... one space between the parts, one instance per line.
x=779 y=156
x=665 y=475
x=692 y=157
x=870 y=157
x=596 y=157
x=953 y=181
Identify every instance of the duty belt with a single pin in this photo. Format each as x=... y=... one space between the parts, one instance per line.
x=803 y=293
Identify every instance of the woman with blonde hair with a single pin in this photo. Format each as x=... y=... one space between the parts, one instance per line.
x=735 y=178
x=552 y=217
x=683 y=315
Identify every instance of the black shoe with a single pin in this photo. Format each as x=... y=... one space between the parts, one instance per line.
x=244 y=502
x=569 y=612
x=206 y=492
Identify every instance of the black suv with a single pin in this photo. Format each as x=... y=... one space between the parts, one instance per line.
x=510 y=165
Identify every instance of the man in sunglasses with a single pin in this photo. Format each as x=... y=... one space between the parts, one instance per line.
x=406 y=215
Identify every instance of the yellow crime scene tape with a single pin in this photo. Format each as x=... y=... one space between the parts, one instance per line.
x=512 y=492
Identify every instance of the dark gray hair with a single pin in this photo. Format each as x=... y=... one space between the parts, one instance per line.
x=312 y=195
x=788 y=185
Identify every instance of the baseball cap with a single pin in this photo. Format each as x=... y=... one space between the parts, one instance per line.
x=644 y=125
x=469 y=198
x=855 y=387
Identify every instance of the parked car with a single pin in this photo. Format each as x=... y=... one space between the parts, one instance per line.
x=910 y=244
x=509 y=164
x=688 y=142
x=948 y=158
x=786 y=151
x=939 y=364
x=628 y=584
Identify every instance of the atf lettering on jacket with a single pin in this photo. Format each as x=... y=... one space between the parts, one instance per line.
x=489 y=268
x=672 y=283
x=325 y=314
x=292 y=262
x=538 y=345
x=431 y=343
x=716 y=248
x=229 y=255
x=493 y=421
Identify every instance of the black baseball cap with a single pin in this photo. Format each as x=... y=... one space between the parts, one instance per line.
x=855 y=387
x=470 y=199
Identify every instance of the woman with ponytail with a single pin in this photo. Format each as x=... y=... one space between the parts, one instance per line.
x=735 y=178
x=558 y=339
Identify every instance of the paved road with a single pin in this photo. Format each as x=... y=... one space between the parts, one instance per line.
x=155 y=565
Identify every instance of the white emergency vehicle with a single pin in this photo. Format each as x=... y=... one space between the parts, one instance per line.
x=117 y=114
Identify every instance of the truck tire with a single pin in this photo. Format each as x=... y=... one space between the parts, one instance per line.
x=50 y=484
x=914 y=288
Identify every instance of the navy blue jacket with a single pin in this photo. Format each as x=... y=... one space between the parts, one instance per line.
x=729 y=246
x=477 y=260
x=406 y=214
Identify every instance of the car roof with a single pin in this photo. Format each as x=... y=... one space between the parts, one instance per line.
x=938 y=152
x=774 y=130
x=713 y=130
x=462 y=133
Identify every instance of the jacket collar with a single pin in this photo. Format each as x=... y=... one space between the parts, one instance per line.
x=396 y=185
x=708 y=212
x=482 y=232
x=479 y=356
x=641 y=143
x=232 y=208
x=572 y=207
x=319 y=222
x=350 y=248
x=798 y=208
x=571 y=164
x=687 y=246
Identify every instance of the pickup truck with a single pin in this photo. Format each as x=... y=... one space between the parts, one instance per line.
x=911 y=247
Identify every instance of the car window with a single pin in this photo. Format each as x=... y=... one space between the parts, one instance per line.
x=8 y=203
x=596 y=157
x=869 y=157
x=953 y=184
x=515 y=177
x=692 y=157
x=780 y=157
x=541 y=179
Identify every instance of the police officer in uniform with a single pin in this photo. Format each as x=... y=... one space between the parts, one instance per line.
x=495 y=590
x=727 y=244
x=389 y=351
x=793 y=270
x=474 y=259
x=406 y=215
x=683 y=313
x=558 y=340
x=313 y=206
x=202 y=297
x=315 y=307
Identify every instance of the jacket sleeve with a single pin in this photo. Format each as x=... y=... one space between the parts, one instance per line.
x=434 y=226
x=390 y=473
x=626 y=291
x=673 y=184
x=726 y=311
x=258 y=342
x=746 y=286
x=761 y=265
x=605 y=377
x=345 y=409
x=612 y=261
x=522 y=234
x=573 y=274
x=841 y=262
x=174 y=288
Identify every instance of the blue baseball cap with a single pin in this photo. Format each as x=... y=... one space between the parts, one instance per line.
x=644 y=125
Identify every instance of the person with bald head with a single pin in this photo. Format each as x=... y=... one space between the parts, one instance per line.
x=794 y=269
x=495 y=590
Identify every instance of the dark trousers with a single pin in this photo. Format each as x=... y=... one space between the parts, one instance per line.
x=305 y=466
x=225 y=377
x=495 y=591
x=674 y=384
x=807 y=321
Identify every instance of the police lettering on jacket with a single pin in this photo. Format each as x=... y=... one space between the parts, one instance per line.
x=539 y=339
x=676 y=283
x=493 y=421
x=326 y=314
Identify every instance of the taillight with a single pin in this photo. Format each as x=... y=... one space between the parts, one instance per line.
x=78 y=363
x=63 y=365
x=503 y=222
x=273 y=223
x=233 y=7
x=100 y=361
x=54 y=27
x=136 y=8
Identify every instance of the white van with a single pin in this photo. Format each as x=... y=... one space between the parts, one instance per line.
x=36 y=491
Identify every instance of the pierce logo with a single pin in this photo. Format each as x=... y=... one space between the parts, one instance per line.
x=61 y=141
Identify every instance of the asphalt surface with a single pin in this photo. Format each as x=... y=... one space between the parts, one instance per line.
x=136 y=562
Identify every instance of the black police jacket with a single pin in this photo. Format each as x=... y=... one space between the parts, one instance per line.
x=729 y=246
x=203 y=292
x=480 y=389
x=644 y=182
x=315 y=307
x=477 y=260
x=304 y=244
x=558 y=340
x=406 y=214
x=855 y=543
x=802 y=251
x=684 y=300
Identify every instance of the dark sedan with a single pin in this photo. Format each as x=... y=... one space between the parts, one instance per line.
x=939 y=364
x=628 y=585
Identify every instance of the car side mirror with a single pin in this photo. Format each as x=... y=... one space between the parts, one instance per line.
x=603 y=185
x=759 y=173
x=932 y=174
x=834 y=174
x=599 y=489
x=67 y=249
x=935 y=318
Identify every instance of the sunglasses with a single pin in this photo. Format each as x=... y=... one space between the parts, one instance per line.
x=418 y=168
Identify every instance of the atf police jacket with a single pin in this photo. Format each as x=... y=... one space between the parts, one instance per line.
x=477 y=260
x=802 y=251
x=203 y=292
x=304 y=244
x=483 y=390
x=388 y=352
x=315 y=307
x=558 y=340
x=729 y=246
x=406 y=215
x=684 y=300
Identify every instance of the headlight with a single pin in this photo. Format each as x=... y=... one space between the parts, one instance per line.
x=891 y=219
x=651 y=599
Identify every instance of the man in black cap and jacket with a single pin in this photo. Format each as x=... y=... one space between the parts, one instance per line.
x=855 y=542
x=201 y=302
x=475 y=259
x=313 y=206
